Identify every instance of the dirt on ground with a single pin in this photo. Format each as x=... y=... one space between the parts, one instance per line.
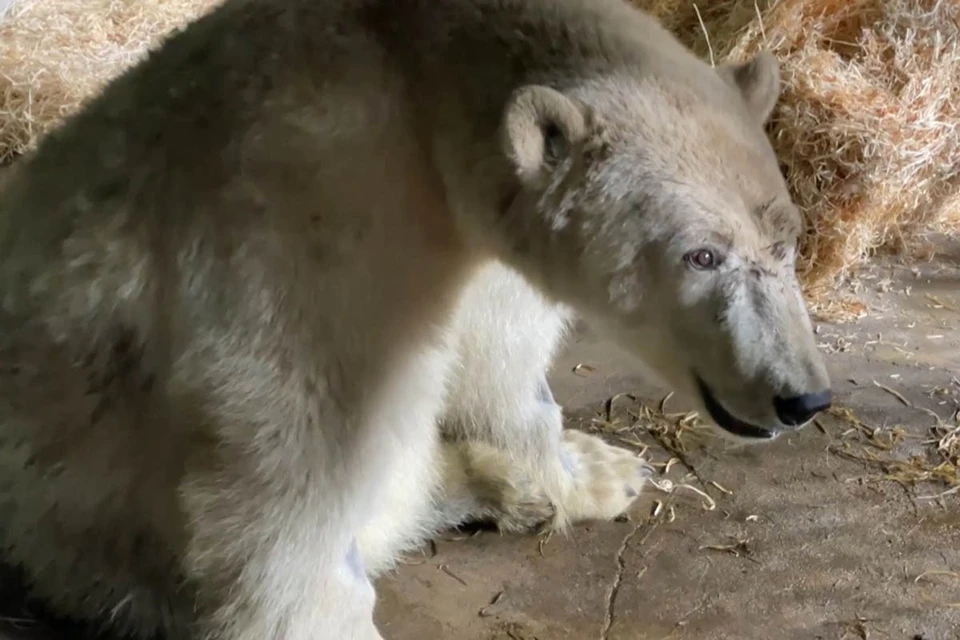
x=836 y=532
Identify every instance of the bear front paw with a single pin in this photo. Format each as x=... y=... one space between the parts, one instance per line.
x=604 y=480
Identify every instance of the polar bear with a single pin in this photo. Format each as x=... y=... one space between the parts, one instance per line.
x=279 y=303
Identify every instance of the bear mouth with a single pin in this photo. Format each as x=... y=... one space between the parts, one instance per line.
x=727 y=421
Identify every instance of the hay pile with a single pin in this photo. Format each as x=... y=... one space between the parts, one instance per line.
x=54 y=54
x=868 y=130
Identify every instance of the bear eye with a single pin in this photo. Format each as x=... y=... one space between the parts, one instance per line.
x=703 y=259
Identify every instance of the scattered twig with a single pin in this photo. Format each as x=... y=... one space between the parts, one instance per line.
x=585 y=368
x=740 y=548
x=484 y=612
x=447 y=571
x=668 y=486
x=925 y=574
x=942 y=494
x=894 y=393
x=721 y=488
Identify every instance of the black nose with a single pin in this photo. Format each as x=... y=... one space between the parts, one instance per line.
x=800 y=409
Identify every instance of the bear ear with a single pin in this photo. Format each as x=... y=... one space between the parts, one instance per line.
x=540 y=127
x=758 y=80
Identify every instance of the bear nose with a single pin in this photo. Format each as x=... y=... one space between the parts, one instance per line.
x=800 y=409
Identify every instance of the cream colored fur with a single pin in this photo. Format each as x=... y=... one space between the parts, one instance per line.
x=280 y=302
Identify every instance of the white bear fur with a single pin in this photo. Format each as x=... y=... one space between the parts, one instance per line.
x=280 y=302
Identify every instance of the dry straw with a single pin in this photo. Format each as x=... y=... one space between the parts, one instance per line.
x=55 y=54
x=867 y=129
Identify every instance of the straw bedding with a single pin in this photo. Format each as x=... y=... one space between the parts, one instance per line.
x=868 y=130
x=54 y=54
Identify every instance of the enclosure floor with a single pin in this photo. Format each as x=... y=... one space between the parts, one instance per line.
x=808 y=546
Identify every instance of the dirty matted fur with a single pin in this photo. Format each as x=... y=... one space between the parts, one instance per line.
x=244 y=285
